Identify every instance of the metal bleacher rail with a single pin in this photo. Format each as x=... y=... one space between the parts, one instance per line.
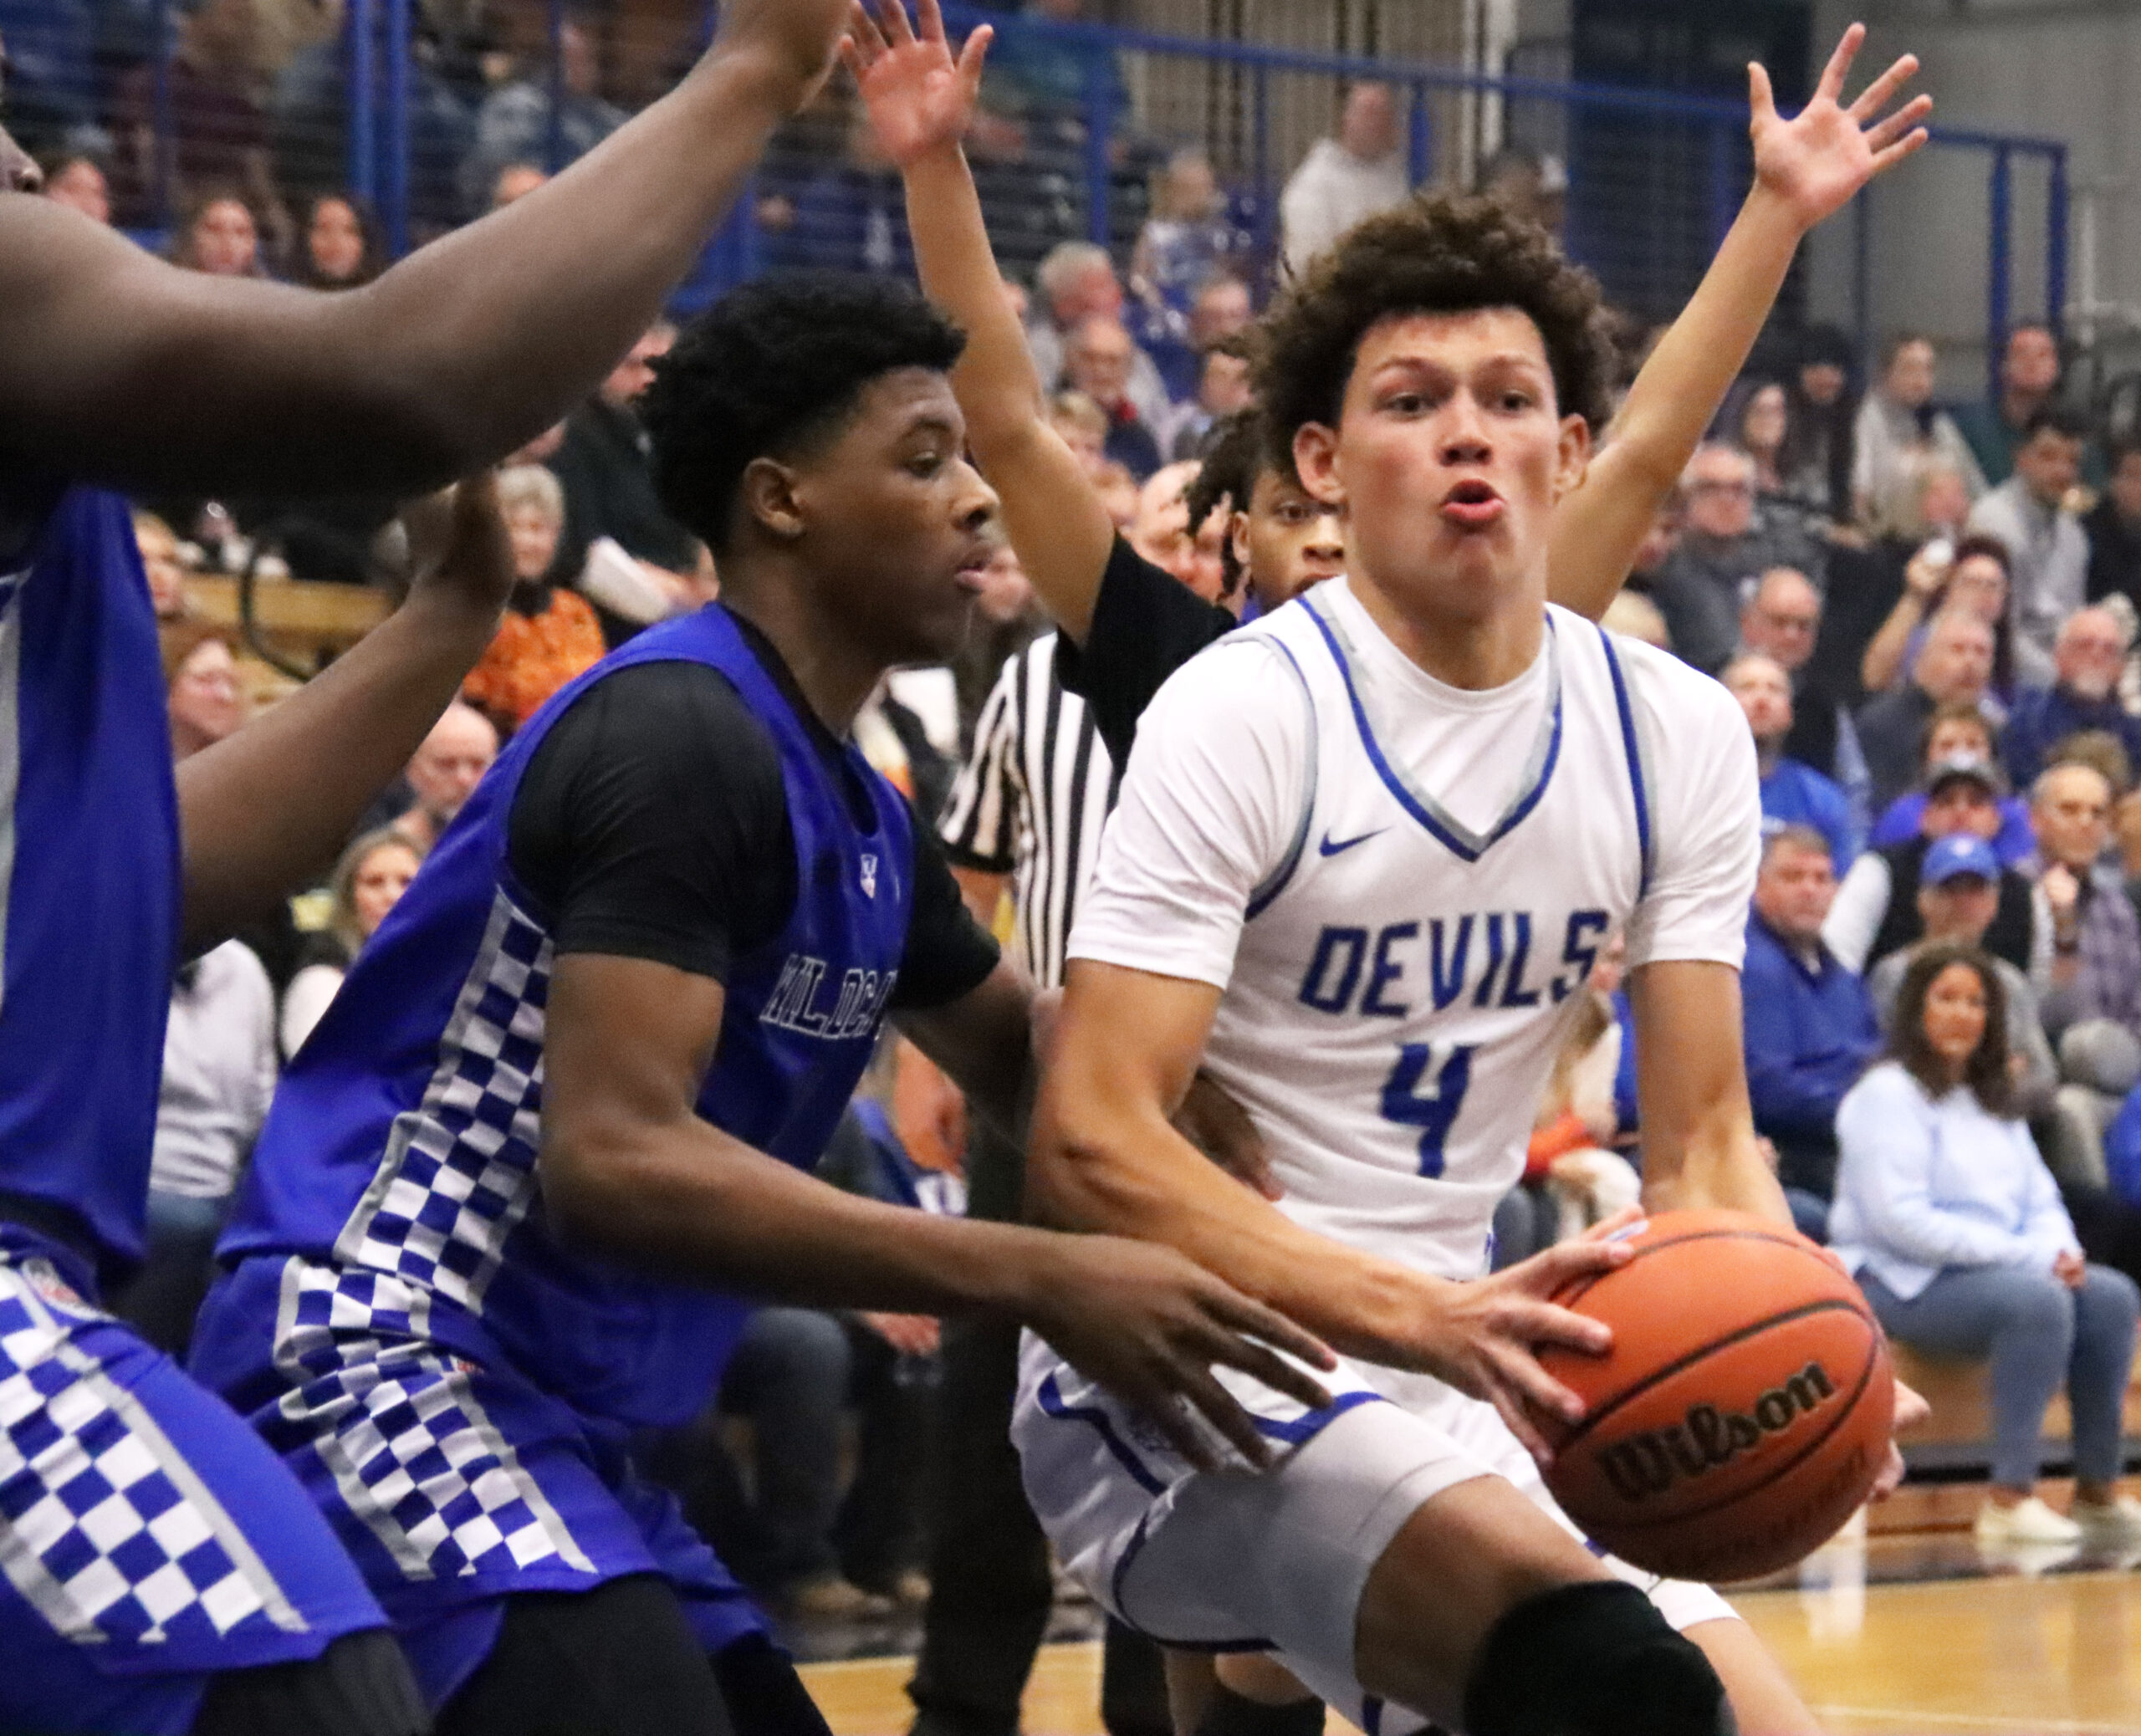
x=1653 y=176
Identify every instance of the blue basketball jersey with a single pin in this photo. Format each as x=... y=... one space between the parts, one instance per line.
x=89 y=871
x=399 y=1159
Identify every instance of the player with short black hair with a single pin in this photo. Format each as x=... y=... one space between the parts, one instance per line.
x=560 y=1119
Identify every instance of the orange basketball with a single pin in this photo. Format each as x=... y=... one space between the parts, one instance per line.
x=1743 y=1411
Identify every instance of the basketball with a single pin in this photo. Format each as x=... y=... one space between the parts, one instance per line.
x=1743 y=1411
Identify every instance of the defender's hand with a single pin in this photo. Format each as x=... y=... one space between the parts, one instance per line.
x=793 y=40
x=918 y=97
x=1819 y=158
x=1483 y=1337
x=459 y=551
x=1220 y=1128
x=1148 y=1324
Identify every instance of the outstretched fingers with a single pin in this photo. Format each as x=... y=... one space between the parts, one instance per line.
x=1888 y=157
x=898 y=31
x=866 y=41
x=1760 y=98
x=1884 y=89
x=972 y=55
x=1839 y=67
x=930 y=16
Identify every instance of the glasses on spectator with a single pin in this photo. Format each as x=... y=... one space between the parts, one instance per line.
x=1718 y=485
x=1792 y=623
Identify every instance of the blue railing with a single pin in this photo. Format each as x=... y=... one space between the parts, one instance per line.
x=1654 y=176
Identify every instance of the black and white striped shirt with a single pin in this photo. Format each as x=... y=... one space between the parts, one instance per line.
x=1031 y=802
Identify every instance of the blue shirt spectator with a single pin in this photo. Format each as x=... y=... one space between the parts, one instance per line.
x=1792 y=794
x=1904 y=818
x=2087 y=656
x=1810 y=1025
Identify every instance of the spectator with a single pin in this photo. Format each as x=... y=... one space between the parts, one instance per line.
x=312 y=121
x=2096 y=935
x=1781 y=619
x=343 y=247
x=1222 y=390
x=1220 y=314
x=220 y=238
x=850 y=215
x=162 y=564
x=1083 y=425
x=1187 y=243
x=1341 y=180
x=1810 y=1028
x=1953 y=667
x=1974 y=575
x=442 y=775
x=219 y=1074
x=514 y=125
x=1536 y=185
x=1162 y=535
x=2086 y=658
x=1097 y=361
x=515 y=181
x=201 y=671
x=1949 y=1219
x=77 y=180
x=2113 y=528
x=1817 y=458
x=608 y=484
x=549 y=634
x=1876 y=909
x=1793 y=793
x=1008 y=618
x=2049 y=551
x=1723 y=545
x=217 y=134
x=1898 y=434
x=367 y=882
x=1077 y=282
x=1957 y=731
x=1958 y=895
x=2029 y=381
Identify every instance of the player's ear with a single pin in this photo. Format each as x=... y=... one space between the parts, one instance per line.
x=768 y=494
x=1237 y=537
x=1575 y=455
x=1316 y=462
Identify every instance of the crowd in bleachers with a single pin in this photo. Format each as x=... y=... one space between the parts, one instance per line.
x=1927 y=612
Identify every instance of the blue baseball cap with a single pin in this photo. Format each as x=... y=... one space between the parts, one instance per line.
x=1959 y=853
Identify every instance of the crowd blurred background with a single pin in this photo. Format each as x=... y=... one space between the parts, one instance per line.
x=1914 y=556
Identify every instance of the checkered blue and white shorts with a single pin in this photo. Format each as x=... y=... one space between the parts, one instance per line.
x=148 y=1539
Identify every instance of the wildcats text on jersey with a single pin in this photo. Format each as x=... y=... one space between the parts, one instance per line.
x=793 y=1003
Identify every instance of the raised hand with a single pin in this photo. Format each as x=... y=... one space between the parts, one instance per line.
x=918 y=97
x=1817 y=160
x=794 y=38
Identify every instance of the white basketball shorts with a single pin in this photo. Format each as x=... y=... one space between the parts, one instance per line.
x=1273 y=1560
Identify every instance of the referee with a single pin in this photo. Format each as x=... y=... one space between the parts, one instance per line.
x=1028 y=809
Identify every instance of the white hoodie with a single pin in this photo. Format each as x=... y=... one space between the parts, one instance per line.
x=1332 y=190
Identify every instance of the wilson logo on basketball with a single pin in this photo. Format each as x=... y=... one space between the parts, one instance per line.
x=1641 y=1466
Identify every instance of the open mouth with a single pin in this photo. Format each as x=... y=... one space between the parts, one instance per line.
x=1473 y=506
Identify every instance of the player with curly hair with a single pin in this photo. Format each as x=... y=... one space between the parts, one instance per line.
x=561 y=1117
x=1366 y=852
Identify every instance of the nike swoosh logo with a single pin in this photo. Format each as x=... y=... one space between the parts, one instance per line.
x=1328 y=849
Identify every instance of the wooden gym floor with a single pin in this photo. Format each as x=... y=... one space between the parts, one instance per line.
x=1914 y=1634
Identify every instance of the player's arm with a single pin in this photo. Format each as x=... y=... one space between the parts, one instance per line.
x=123 y=369
x=1805 y=170
x=629 y=1170
x=275 y=802
x=1699 y=1147
x=1105 y=1156
x=920 y=100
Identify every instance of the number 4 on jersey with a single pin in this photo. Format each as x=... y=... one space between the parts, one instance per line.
x=1446 y=1070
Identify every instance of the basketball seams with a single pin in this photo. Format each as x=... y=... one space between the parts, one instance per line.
x=1777 y=1475
x=1827 y=1304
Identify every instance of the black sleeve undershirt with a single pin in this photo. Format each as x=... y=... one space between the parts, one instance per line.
x=1146 y=625
x=652 y=823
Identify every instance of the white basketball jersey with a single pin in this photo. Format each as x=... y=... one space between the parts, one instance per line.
x=1400 y=982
